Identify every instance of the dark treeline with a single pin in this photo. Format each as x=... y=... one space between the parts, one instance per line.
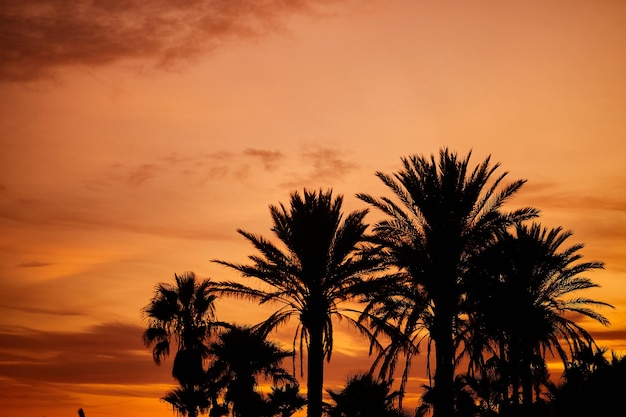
x=487 y=294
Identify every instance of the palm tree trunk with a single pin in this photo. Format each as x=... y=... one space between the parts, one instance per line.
x=505 y=374
x=315 y=371
x=527 y=382
x=443 y=402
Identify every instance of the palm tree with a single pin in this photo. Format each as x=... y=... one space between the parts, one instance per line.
x=317 y=269
x=365 y=396
x=593 y=385
x=525 y=301
x=191 y=399
x=445 y=216
x=467 y=402
x=239 y=356
x=286 y=400
x=183 y=312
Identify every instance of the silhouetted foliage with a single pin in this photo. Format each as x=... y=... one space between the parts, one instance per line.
x=466 y=401
x=593 y=386
x=191 y=399
x=240 y=355
x=285 y=401
x=521 y=305
x=364 y=396
x=446 y=268
x=443 y=215
x=183 y=312
x=318 y=267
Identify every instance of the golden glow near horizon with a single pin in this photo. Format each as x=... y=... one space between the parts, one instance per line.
x=131 y=152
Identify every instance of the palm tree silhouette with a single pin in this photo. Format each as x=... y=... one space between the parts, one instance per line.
x=286 y=400
x=239 y=356
x=365 y=396
x=193 y=400
x=443 y=215
x=183 y=312
x=317 y=269
x=523 y=304
x=593 y=385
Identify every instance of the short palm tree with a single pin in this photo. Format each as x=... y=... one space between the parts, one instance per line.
x=526 y=302
x=286 y=400
x=190 y=399
x=184 y=313
x=593 y=385
x=318 y=267
x=241 y=355
x=365 y=396
x=442 y=215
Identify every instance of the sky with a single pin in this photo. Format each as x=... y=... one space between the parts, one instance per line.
x=137 y=137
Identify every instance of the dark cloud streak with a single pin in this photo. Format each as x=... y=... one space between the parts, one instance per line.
x=33 y=264
x=38 y=37
x=111 y=353
x=36 y=310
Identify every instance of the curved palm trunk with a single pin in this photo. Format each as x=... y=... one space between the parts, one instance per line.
x=315 y=371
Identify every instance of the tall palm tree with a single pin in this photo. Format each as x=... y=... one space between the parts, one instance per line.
x=526 y=302
x=183 y=312
x=442 y=216
x=317 y=268
x=239 y=356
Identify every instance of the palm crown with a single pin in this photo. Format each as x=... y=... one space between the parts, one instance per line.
x=442 y=216
x=319 y=266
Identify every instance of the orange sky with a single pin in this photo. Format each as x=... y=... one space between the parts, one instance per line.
x=137 y=138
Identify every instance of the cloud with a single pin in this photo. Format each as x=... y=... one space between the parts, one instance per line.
x=108 y=199
x=98 y=368
x=327 y=162
x=142 y=173
x=612 y=335
x=195 y=169
x=110 y=353
x=33 y=264
x=38 y=37
x=552 y=195
x=326 y=165
x=269 y=159
x=37 y=310
x=596 y=213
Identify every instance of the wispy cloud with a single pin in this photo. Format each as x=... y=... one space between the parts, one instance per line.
x=327 y=162
x=33 y=264
x=39 y=36
x=107 y=199
x=322 y=166
x=110 y=353
x=37 y=310
x=592 y=212
x=618 y=334
x=268 y=158
x=196 y=169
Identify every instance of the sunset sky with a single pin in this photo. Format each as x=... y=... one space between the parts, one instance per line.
x=138 y=136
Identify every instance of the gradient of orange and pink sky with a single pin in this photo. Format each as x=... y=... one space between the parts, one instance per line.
x=138 y=136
